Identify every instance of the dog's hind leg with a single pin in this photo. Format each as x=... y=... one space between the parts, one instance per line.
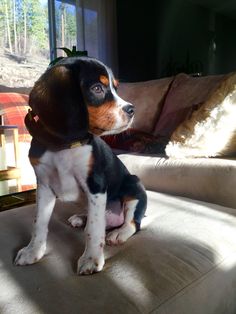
x=134 y=209
x=37 y=246
x=114 y=217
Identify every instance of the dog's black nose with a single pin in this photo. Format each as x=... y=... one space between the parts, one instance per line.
x=129 y=109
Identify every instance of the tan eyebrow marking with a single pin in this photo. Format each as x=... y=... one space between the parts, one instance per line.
x=104 y=80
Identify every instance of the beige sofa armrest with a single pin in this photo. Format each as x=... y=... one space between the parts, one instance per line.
x=206 y=179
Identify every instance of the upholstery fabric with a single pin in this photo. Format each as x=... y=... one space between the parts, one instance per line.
x=14 y=107
x=13 y=99
x=182 y=261
x=137 y=141
x=148 y=98
x=210 y=130
x=185 y=95
x=207 y=179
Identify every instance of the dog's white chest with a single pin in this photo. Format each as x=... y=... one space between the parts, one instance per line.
x=66 y=171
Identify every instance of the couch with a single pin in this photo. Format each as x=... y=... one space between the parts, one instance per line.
x=184 y=258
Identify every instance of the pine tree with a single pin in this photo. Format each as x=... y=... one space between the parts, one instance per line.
x=23 y=25
x=14 y=27
x=37 y=28
x=8 y=23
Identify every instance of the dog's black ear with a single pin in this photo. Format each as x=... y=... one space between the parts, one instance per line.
x=57 y=100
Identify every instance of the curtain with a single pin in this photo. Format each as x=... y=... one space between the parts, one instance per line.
x=96 y=30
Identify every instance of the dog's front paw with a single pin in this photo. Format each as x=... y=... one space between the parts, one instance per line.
x=29 y=255
x=88 y=265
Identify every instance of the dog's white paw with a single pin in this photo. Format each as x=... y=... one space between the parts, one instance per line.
x=29 y=255
x=120 y=235
x=88 y=265
x=77 y=221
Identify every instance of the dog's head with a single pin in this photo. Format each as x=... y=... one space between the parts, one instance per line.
x=78 y=95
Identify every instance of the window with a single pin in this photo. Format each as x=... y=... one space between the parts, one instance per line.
x=32 y=30
x=65 y=18
x=75 y=25
x=88 y=24
x=24 y=41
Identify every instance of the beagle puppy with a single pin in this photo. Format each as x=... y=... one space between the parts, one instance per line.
x=73 y=103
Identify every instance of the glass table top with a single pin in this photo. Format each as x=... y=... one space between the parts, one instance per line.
x=14 y=186
x=17 y=178
x=14 y=193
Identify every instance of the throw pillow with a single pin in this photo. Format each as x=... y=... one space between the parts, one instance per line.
x=136 y=141
x=210 y=130
x=185 y=95
x=13 y=108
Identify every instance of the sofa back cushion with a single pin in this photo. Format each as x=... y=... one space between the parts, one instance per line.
x=148 y=98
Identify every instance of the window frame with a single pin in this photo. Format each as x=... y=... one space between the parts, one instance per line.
x=52 y=25
x=107 y=47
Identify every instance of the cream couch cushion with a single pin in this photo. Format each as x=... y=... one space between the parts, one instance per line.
x=183 y=261
x=207 y=179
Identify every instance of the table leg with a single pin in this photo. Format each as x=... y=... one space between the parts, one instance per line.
x=2 y=149
x=16 y=146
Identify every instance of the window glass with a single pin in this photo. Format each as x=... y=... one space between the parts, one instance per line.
x=24 y=44
x=66 y=35
x=76 y=25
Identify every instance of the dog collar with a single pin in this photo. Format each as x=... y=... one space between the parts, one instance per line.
x=39 y=131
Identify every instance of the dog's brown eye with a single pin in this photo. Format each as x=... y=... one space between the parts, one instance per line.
x=97 y=89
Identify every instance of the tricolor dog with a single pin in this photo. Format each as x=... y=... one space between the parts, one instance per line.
x=73 y=103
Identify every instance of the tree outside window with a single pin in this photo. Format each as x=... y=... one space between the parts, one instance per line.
x=24 y=35
x=24 y=44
